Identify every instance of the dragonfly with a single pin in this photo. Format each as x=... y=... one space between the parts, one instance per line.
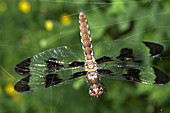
x=115 y=59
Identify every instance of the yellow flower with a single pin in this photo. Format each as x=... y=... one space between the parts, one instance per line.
x=65 y=19
x=24 y=6
x=48 y=25
x=10 y=89
x=3 y=7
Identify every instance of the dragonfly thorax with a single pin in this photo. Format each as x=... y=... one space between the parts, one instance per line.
x=90 y=66
x=92 y=77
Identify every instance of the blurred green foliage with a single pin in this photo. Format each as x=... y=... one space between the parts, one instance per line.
x=28 y=27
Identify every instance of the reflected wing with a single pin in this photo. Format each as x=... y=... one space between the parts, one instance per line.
x=126 y=50
x=48 y=68
x=137 y=72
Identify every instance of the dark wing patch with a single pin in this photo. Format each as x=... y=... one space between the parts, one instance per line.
x=161 y=77
x=23 y=67
x=105 y=72
x=78 y=74
x=126 y=54
x=103 y=59
x=155 y=49
x=76 y=64
x=129 y=74
x=51 y=80
x=52 y=65
x=132 y=74
x=22 y=86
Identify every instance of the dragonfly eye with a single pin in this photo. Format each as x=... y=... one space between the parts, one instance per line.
x=96 y=90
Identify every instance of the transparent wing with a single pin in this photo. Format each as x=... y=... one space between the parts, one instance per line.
x=126 y=50
x=31 y=84
x=55 y=59
x=48 y=68
x=132 y=71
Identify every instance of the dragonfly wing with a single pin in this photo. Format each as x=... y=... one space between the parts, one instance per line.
x=126 y=50
x=133 y=71
x=51 y=67
x=31 y=84
x=55 y=59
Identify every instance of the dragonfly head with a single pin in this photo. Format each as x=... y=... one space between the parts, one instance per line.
x=96 y=90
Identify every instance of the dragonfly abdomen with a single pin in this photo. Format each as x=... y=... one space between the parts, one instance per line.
x=86 y=38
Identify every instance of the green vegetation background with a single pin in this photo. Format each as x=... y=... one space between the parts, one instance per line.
x=23 y=34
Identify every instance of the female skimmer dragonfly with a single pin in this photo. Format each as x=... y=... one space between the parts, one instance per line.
x=114 y=59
